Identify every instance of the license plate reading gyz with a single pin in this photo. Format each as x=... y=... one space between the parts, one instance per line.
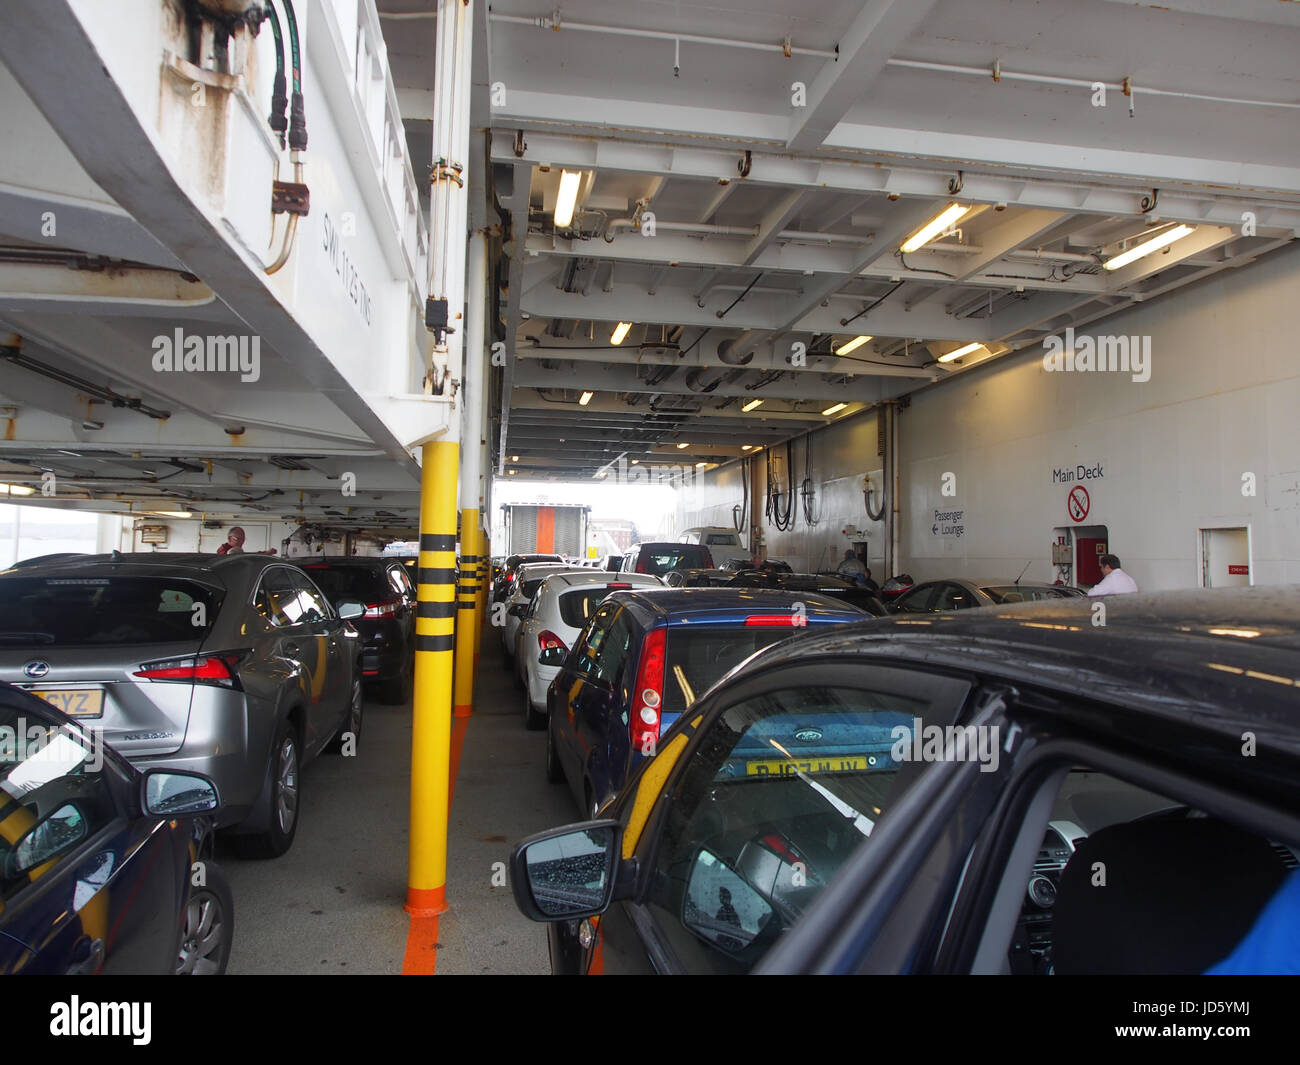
x=76 y=702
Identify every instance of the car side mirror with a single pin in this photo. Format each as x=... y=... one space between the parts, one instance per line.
x=552 y=656
x=50 y=837
x=350 y=609
x=165 y=793
x=567 y=873
x=723 y=909
x=518 y=610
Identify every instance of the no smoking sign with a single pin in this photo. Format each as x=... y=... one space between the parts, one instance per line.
x=1078 y=502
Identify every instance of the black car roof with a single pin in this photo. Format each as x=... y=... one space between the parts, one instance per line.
x=728 y=600
x=1224 y=659
x=152 y=564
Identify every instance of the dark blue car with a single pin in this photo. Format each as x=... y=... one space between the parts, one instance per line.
x=644 y=658
x=103 y=868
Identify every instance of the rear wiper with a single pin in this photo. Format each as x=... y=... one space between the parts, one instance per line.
x=27 y=637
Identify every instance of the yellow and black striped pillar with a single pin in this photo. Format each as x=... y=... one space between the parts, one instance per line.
x=484 y=588
x=466 y=601
x=426 y=890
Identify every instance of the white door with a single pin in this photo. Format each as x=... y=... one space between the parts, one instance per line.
x=1225 y=558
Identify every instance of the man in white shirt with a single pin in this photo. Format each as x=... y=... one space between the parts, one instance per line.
x=1114 y=580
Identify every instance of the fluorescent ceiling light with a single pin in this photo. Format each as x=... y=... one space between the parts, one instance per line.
x=835 y=409
x=1157 y=242
x=567 y=198
x=683 y=444
x=751 y=405
x=960 y=352
x=700 y=465
x=934 y=227
x=636 y=462
x=746 y=447
x=16 y=490
x=852 y=345
x=514 y=458
x=170 y=513
x=620 y=331
x=510 y=472
x=585 y=399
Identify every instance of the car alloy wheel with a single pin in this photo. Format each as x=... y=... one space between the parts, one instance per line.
x=286 y=785
x=209 y=927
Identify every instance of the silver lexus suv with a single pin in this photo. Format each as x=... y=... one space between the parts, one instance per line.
x=235 y=666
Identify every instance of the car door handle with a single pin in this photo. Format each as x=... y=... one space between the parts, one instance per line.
x=88 y=956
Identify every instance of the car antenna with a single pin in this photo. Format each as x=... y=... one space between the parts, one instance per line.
x=1022 y=572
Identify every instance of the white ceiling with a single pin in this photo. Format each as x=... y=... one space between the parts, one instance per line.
x=867 y=161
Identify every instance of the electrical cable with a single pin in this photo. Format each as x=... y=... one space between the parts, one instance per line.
x=279 y=118
x=723 y=313
x=807 y=490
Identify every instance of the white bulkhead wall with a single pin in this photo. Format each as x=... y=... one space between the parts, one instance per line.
x=1165 y=457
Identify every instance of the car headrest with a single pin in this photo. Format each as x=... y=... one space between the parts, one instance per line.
x=1178 y=896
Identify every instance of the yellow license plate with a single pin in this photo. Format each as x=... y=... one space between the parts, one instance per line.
x=75 y=702
x=778 y=767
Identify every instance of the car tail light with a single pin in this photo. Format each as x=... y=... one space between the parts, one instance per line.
x=548 y=641
x=218 y=669
x=647 y=696
x=708 y=558
x=792 y=619
x=386 y=609
x=620 y=586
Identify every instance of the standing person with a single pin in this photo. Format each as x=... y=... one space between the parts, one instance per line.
x=234 y=544
x=851 y=567
x=1114 y=581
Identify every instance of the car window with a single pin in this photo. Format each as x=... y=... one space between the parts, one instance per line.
x=1104 y=832
x=782 y=788
x=613 y=650
x=577 y=605
x=398 y=580
x=287 y=597
x=918 y=599
x=591 y=641
x=954 y=597
x=72 y=611
x=54 y=795
x=314 y=605
x=662 y=558
x=722 y=540
x=1016 y=593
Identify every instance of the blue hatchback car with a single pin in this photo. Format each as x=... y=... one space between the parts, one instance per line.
x=644 y=658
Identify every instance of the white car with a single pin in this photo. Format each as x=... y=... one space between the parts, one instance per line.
x=722 y=543
x=530 y=579
x=553 y=621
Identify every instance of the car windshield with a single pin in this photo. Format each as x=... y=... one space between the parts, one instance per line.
x=577 y=606
x=697 y=658
x=661 y=558
x=72 y=611
x=364 y=583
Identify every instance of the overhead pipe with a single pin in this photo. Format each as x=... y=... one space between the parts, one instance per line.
x=557 y=23
x=999 y=73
